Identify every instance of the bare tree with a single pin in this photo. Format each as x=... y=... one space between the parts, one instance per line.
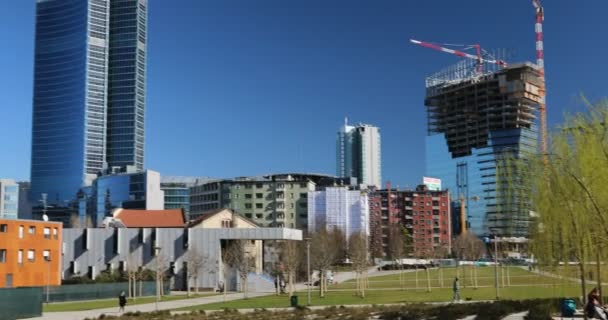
x=324 y=254
x=358 y=254
x=469 y=247
x=132 y=273
x=290 y=257
x=236 y=256
x=196 y=264
x=399 y=244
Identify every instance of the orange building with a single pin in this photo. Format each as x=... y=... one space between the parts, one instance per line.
x=30 y=253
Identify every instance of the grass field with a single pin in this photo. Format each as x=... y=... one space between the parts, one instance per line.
x=108 y=303
x=388 y=289
x=443 y=278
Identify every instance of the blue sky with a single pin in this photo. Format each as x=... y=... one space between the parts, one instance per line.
x=253 y=87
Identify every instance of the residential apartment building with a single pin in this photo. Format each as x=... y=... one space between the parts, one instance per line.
x=278 y=200
x=424 y=213
x=30 y=253
x=358 y=154
x=9 y=199
x=339 y=207
x=89 y=93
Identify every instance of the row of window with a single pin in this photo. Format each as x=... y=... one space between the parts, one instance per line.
x=31 y=255
x=32 y=230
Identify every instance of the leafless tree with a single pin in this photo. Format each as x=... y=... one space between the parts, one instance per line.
x=290 y=257
x=236 y=256
x=326 y=250
x=196 y=263
x=359 y=256
x=469 y=247
x=132 y=273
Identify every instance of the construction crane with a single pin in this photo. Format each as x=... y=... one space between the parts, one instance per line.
x=479 y=57
x=540 y=62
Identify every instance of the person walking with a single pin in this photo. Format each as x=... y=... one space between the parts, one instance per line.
x=456 y=289
x=122 y=301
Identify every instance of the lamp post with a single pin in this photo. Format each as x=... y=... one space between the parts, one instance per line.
x=495 y=237
x=48 y=276
x=157 y=252
x=308 y=269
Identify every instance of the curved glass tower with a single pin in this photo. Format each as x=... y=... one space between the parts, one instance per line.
x=73 y=83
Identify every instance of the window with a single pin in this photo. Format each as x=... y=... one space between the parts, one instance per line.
x=280 y=185
x=291 y=205
x=226 y=223
x=258 y=215
x=303 y=195
x=3 y=227
x=247 y=205
x=55 y=233
x=259 y=205
x=2 y=255
x=21 y=232
x=248 y=196
x=31 y=255
x=259 y=186
x=259 y=195
x=20 y=256
x=303 y=185
x=47 y=232
x=248 y=215
x=291 y=195
x=32 y=230
x=46 y=255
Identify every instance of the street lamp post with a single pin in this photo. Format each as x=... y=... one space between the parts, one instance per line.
x=308 y=270
x=157 y=252
x=496 y=264
x=48 y=278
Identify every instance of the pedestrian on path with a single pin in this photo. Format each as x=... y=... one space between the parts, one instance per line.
x=456 y=289
x=122 y=301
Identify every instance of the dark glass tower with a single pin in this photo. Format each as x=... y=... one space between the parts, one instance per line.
x=76 y=75
x=126 y=85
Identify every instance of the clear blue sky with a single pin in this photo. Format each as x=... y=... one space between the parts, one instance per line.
x=253 y=87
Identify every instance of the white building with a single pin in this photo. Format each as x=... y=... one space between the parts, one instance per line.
x=348 y=210
x=358 y=154
x=9 y=199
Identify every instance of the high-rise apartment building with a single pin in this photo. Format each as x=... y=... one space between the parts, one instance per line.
x=423 y=212
x=476 y=122
x=341 y=208
x=358 y=154
x=89 y=89
x=9 y=199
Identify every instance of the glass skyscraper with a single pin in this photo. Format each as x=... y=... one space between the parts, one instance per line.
x=89 y=88
x=475 y=124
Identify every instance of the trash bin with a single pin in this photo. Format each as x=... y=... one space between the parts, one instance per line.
x=568 y=307
x=293 y=301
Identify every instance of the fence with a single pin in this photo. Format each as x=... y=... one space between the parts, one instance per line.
x=93 y=291
x=19 y=303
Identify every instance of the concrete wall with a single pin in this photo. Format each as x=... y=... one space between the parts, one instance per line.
x=121 y=247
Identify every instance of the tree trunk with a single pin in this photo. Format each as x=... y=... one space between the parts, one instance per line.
x=428 y=280
x=598 y=261
x=291 y=281
x=581 y=266
x=364 y=283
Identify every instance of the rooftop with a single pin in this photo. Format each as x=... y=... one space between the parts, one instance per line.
x=172 y=218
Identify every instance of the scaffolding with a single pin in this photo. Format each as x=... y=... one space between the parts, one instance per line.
x=466 y=106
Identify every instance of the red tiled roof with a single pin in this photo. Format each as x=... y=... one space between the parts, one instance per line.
x=172 y=218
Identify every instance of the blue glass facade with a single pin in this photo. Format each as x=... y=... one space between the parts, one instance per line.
x=126 y=94
x=475 y=178
x=73 y=86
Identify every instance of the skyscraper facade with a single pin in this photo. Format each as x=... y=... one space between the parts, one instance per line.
x=89 y=75
x=358 y=153
x=339 y=207
x=9 y=199
x=476 y=125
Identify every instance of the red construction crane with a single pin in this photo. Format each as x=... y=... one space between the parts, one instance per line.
x=540 y=62
x=480 y=59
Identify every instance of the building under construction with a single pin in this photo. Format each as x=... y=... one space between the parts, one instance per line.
x=475 y=120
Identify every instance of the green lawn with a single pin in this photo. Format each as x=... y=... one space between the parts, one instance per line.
x=387 y=289
x=109 y=303
x=469 y=277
